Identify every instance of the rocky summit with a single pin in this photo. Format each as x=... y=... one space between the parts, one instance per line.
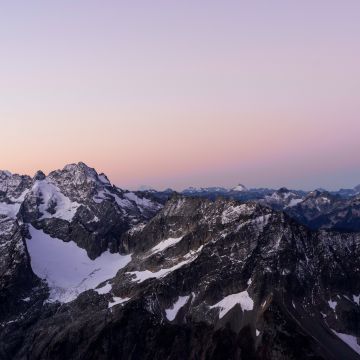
x=92 y=271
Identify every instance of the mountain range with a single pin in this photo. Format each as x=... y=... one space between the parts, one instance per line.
x=92 y=271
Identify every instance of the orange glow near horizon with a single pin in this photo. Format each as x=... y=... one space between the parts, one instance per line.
x=169 y=95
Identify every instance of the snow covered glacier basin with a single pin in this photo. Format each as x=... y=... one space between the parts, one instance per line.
x=66 y=268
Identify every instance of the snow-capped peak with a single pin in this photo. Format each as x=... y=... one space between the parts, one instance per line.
x=240 y=188
x=5 y=174
x=193 y=189
x=79 y=181
x=317 y=194
x=146 y=188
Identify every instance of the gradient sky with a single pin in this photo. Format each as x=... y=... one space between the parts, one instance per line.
x=179 y=93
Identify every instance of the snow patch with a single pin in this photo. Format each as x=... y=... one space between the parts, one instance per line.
x=104 y=290
x=67 y=268
x=9 y=210
x=226 y=304
x=21 y=198
x=232 y=213
x=172 y=312
x=161 y=246
x=52 y=197
x=123 y=203
x=350 y=340
x=100 y=196
x=141 y=202
x=356 y=299
x=117 y=300
x=105 y=194
x=136 y=228
x=332 y=304
x=259 y=223
x=130 y=200
x=104 y=179
x=141 y=276
x=294 y=202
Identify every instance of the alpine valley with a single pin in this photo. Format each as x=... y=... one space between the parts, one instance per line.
x=91 y=271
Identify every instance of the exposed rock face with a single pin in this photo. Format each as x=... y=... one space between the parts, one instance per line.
x=317 y=209
x=282 y=199
x=321 y=210
x=78 y=204
x=206 y=280
x=17 y=279
x=12 y=186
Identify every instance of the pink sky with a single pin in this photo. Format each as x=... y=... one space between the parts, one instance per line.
x=170 y=93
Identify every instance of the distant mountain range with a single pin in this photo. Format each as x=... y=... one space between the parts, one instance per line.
x=92 y=271
x=242 y=191
x=318 y=209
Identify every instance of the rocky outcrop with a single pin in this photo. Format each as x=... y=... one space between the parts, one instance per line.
x=16 y=276
x=77 y=204
x=202 y=279
x=13 y=186
x=322 y=210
